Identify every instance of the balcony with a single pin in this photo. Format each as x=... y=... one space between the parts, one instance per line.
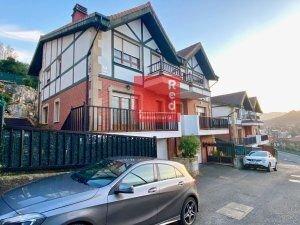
x=108 y=119
x=197 y=125
x=192 y=85
x=262 y=139
x=251 y=120
x=253 y=140
x=247 y=141
x=213 y=122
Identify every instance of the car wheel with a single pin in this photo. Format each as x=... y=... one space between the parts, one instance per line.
x=275 y=168
x=269 y=167
x=188 y=212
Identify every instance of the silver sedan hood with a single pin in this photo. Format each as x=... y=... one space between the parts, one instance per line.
x=49 y=193
x=5 y=210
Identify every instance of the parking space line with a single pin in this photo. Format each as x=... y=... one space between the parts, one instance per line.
x=294 y=181
x=297 y=176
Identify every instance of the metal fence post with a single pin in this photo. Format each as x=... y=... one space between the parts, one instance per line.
x=2 y=108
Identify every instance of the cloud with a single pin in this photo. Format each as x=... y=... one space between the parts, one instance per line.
x=24 y=56
x=265 y=63
x=14 y=32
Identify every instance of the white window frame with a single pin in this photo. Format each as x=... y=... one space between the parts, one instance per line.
x=44 y=121
x=56 y=113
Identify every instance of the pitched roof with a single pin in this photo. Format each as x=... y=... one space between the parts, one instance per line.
x=201 y=57
x=92 y=20
x=255 y=104
x=237 y=99
x=145 y=12
x=188 y=51
x=129 y=11
x=155 y=28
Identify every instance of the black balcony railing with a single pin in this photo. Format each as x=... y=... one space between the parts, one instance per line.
x=108 y=119
x=213 y=122
x=192 y=78
x=162 y=66
x=245 y=141
x=250 y=140
x=264 y=137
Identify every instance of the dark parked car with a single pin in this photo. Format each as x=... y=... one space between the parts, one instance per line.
x=114 y=192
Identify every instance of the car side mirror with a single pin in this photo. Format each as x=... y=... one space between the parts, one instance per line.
x=125 y=189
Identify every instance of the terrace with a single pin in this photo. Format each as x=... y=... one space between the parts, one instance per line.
x=109 y=119
x=202 y=125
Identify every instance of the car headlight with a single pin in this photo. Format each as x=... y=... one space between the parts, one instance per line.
x=27 y=219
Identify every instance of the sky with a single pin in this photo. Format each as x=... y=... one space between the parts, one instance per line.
x=253 y=45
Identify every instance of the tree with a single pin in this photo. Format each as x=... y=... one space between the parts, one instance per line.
x=10 y=65
x=7 y=52
x=189 y=146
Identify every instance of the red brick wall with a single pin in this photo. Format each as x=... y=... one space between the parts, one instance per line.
x=106 y=83
x=72 y=97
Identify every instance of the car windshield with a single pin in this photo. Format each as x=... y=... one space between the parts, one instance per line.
x=100 y=174
x=258 y=153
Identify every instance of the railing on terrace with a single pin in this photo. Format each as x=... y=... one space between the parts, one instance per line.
x=245 y=141
x=250 y=118
x=161 y=66
x=108 y=119
x=213 y=122
x=264 y=137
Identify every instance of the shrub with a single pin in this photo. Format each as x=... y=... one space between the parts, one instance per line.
x=30 y=81
x=189 y=146
x=5 y=97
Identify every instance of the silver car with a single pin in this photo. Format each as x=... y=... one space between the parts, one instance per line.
x=125 y=191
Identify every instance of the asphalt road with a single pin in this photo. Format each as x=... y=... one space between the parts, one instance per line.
x=275 y=196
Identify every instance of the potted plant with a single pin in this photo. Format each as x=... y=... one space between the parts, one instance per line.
x=189 y=146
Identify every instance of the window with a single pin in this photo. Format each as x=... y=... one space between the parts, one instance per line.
x=178 y=173
x=154 y=58
x=166 y=172
x=118 y=56
x=47 y=76
x=126 y=53
x=100 y=174
x=59 y=65
x=123 y=101
x=200 y=111
x=56 y=110
x=141 y=175
x=45 y=113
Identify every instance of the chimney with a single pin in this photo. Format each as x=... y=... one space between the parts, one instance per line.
x=79 y=12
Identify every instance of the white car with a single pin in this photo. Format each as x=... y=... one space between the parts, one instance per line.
x=260 y=159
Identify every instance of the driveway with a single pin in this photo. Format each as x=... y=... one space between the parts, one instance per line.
x=275 y=196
